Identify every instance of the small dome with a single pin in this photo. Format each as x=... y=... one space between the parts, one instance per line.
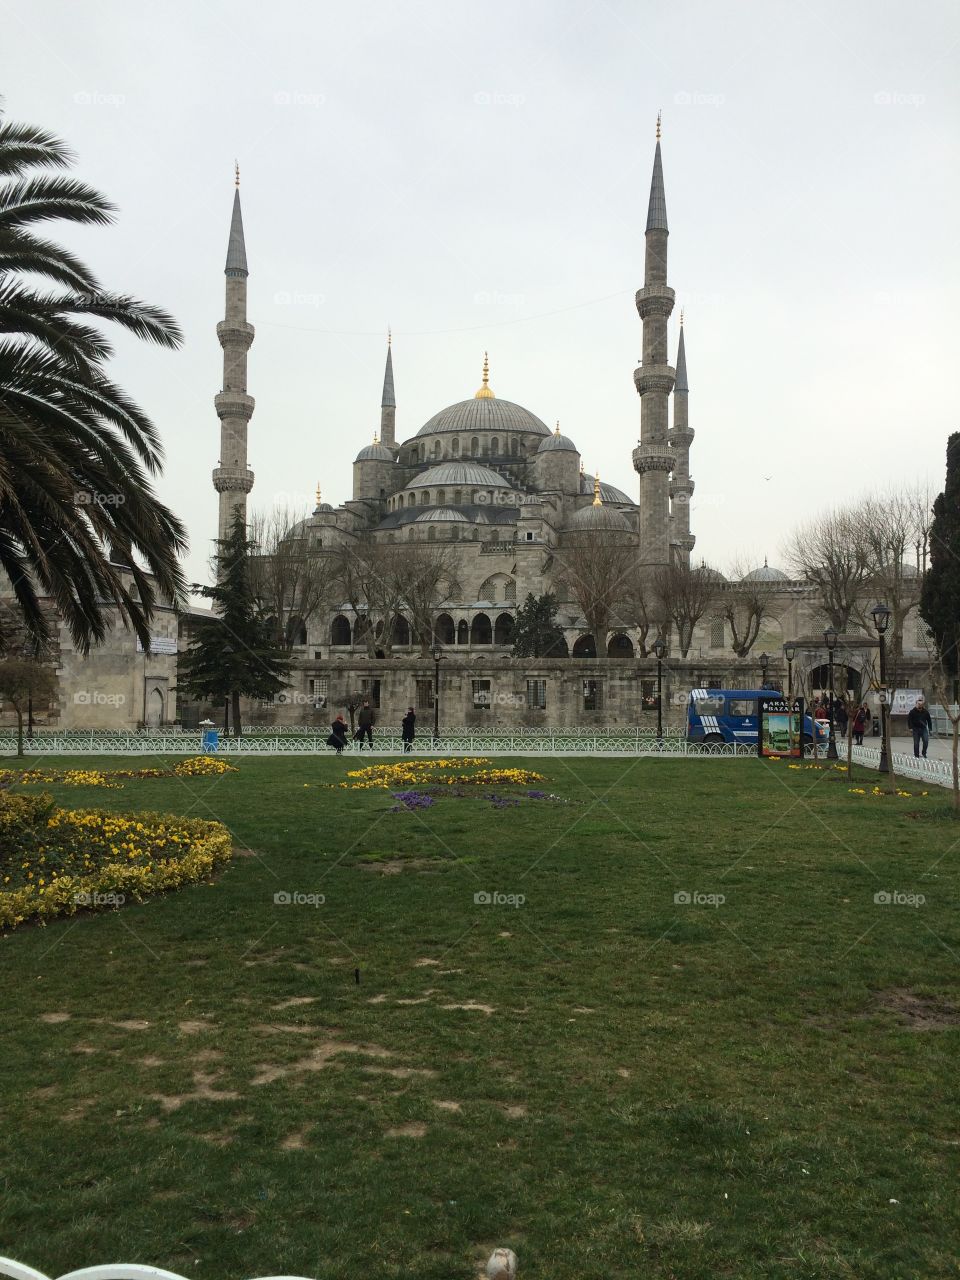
x=375 y=452
x=608 y=492
x=459 y=473
x=597 y=516
x=557 y=441
x=766 y=573
x=441 y=513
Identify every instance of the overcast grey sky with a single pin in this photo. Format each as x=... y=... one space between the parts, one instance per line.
x=477 y=177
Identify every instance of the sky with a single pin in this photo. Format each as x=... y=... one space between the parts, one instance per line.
x=477 y=178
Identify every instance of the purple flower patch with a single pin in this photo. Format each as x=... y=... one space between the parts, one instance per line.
x=410 y=800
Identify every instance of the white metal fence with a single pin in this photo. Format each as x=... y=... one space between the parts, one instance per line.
x=936 y=772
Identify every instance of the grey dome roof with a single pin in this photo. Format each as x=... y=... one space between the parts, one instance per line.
x=485 y=414
x=557 y=441
x=441 y=513
x=597 y=516
x=459 y=473
x=766 y=573
x=608 y=492
x=375 y=452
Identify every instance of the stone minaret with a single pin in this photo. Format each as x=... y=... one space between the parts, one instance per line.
x=681 y=486
x=388 y=405
x=233 y=479
x=652 y=458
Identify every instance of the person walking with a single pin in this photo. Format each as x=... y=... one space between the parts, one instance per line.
x=841 y=717
x=365 y=723
x=338 y=734
x=920 y=723
x=407 y=727
x=859 y=724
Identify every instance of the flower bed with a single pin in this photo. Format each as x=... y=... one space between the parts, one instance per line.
x=194 y=767
x=470 y=771
x=55 y=861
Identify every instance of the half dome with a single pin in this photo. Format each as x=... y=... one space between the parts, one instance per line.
x=375 y=452
x=441 y=513
x=608 y=492
x=463 y=473
x=556 y=441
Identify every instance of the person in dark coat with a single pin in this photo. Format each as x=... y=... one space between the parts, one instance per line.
x=365 y=723
x=406 y=728
x=920 y=723
x=841 y=717
x=338 y=734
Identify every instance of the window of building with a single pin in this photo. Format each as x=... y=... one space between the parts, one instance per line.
x=441 y=497
x=537 y=695
x=510 y=591
x=458 y=497
x=717 y=632
x=455 y=448
x=593 y=695
x=924 y=634
x=474 y=445
x=371 y=689
x=424 y=498
x=424 y=695
x=482 y=695
x=494 y=446
x=318 y=686
x=318 y=653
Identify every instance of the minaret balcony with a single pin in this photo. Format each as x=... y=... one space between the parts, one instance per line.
x=681 y=485
x=654 y=456
x=655 y=300
x=235 y=335
x=232 y=479
x=681 y=437
x=654 y=377
x=234 y=404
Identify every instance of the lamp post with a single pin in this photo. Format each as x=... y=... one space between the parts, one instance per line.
x=437 y=654
x=764 y=665
x=659 y=649
x=789 y=652
x=881 y=620
x=830 y=639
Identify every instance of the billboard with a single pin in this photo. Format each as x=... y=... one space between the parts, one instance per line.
x=781 y=727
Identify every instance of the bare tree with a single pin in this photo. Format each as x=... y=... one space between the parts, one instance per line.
x=685 y=593
x=830 y=552
x=639 y=604
x=892 y=525
x=291 y=579
x=423 y=574
x=745 y=603
x=596 y=564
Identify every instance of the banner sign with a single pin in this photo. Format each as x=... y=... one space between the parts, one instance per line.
x=781 y=727
x=904 y=701
x=160 y=644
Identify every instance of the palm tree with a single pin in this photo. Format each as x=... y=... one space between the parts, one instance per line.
x=76 y=452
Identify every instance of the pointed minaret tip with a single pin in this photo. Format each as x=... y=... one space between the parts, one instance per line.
x=680 y=383
x=389 y=400
x=236 y=247
x=659 y=114
x=318 y=495
x=657 y=208
x=236 y=173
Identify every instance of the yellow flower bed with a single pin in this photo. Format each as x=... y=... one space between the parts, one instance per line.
x=194 y=767
x=414 y=773
x=56 y=861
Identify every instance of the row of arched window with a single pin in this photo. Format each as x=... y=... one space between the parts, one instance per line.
x=480 y=447
x=440 y=498
x=480 y=630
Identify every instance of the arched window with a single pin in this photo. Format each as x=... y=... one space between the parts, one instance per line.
x=444 y=629
x=510 y=591
x=503 y=629
x=425 y=497
x=441 y=497
x=488 y=589
x=423 y=453
x=411 y=499
x=717 y=638
x=458 y=497
x=514 y=446
x=480 y=630
x=436 y=448
x=401 y=630
x=455 y=447
x=494 y=446
x=463 y=633
x=297 y=630
x=474 y=445
x=585 y=648
x=620 y=646
x=391 y=538
x=432 y=534
x=340 y=630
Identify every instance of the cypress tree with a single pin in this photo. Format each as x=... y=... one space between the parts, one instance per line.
x=536 y=633
x=940 y=598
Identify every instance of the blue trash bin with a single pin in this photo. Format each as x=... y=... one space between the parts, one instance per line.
x=211 y=739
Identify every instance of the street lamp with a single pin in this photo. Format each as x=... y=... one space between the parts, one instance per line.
x=881 y=620
x=789 y=652
x=830 y=639
x=764 y=664
x=437 y=653
x=659 y=649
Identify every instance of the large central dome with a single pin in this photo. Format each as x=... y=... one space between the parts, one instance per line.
x=485 y=414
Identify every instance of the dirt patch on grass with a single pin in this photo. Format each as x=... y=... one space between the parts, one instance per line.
x=407 y=1131
x=515 y=1110
x=400 y=1073
x=916 y=1012
x=422 y=964
x=219 y=1138
x=150 y=1061
x=204 y=1057
x=131 y=1024
x=381 y=999
x=291 y=1001
x=472 y=1006
x=319 y=1057
x=296 y=1141
x=393 y=866
x=447 y=1106
x=195 y=1026
x=45 y=1091
x=284 y=1028
x=53 y=1018
x=203 y=1091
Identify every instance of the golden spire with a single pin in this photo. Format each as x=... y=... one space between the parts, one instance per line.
x=236 y=173
x=597 y=500
x=557 y=432
x=318 y=493
x=376 y=438
x=485 y=393
x=658 y=126
x=581 y=466
x=389 y=336
x=681 y=317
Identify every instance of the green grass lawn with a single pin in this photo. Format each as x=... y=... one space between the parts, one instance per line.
x=613 y=1083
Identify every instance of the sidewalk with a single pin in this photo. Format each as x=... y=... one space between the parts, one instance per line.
x=939 y=749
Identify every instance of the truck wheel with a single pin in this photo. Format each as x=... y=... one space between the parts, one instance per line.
x=713 y=739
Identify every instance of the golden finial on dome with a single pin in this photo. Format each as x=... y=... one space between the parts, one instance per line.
x=557 y=432
x=597 y=500
x=485 y=393
x=236 y=173
x=389 y=336
x=376 y=438
x=318 y=493
x=681 y=317
x=658 y=126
